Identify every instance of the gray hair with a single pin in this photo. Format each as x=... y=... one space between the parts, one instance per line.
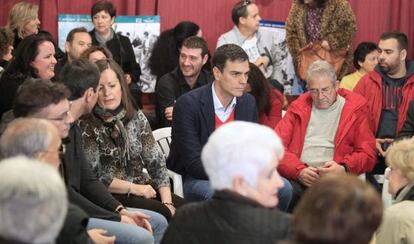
x=321 y=68
x=239 y=149
x=33 y=201
x=26 y=136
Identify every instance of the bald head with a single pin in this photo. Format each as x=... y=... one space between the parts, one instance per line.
x=33 y=138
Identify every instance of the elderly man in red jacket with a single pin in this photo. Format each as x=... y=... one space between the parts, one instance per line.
x=325 y=131
x=388 y=89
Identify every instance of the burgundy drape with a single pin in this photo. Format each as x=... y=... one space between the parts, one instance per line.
x=373 y=16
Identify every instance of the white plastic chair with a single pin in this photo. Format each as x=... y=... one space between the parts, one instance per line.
x=386 y=196
x=382 y=179
x=163 y=137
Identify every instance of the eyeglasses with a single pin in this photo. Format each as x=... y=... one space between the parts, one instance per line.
x=63 y=116
x=323 y=91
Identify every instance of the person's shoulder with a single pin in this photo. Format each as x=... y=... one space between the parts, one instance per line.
x=87 y=122
x=187 y=212
x=196 y=94
x=123 y=38
x=167 y=79
x=227 y=37
x=400 y=210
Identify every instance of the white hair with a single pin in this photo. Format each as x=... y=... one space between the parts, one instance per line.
x=321 y=68
x=239 y=149
x=33 y=201
x=26 y=136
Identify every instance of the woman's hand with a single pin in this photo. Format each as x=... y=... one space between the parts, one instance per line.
x=171 y=208
x=143 y=190
x=135 y=218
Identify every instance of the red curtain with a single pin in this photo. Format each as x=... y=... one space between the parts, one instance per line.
x=373 y=16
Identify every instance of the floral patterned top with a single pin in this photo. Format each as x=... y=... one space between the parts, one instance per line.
x=105 y=157
x=313 y=24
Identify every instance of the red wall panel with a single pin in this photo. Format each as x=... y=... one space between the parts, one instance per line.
x=373 y=16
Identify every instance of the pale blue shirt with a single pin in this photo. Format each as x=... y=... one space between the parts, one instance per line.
x=222 y=112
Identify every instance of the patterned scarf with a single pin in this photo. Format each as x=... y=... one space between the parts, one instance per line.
x=113 y=119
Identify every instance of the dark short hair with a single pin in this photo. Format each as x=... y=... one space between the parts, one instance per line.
x=71 y=34
x=230 y=52
x=103 y=5
x=6 y=40
x=319 y=3
x=36 y=94
x=126 y=99
x=337 y=209
x=363 y=49
x=80 y=75
x=240 y=10
x=93 y=49
x=196 y=42
x=399 y=36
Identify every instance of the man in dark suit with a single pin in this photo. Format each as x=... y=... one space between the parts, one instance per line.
x=198 y=112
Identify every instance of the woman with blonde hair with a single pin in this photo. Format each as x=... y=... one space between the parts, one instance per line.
x=398 y=223
x=23 y=21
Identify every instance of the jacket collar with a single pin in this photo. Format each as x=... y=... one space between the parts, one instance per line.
x=240 y=38
x=377 y=74
x=302 y=107
x=207 y=107
x=231 y=196
x=178 y=75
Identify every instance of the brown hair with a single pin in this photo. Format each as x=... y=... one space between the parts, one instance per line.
x=126 y=99
x=339 y=209
x=93 y=49
x=103 y=5
x=397 y=35
x=6 y=40
x=195 y=42
x=36 y=94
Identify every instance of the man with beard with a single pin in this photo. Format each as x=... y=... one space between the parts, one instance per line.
x=187 y=76
x=388 y=88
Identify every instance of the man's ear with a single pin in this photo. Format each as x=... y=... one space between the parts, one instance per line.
x=89 y=93
x=242 y=21
x=336 y=85
x=217 y=73
x=403 y=55
x=67 y=47
x=205 y=59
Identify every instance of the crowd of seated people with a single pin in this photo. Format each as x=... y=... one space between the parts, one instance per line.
x=250 y=175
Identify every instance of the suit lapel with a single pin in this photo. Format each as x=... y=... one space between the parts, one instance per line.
x=239 y=113
x=207 y=108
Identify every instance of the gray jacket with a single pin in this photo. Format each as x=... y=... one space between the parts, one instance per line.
x=265 y=43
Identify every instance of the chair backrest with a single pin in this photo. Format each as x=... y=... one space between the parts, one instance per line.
x=163 y=137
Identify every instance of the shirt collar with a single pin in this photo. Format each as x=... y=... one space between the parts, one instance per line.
x=217 y=103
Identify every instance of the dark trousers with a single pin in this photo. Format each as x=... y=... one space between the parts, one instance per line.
x=297 y=191
x=153 y=204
